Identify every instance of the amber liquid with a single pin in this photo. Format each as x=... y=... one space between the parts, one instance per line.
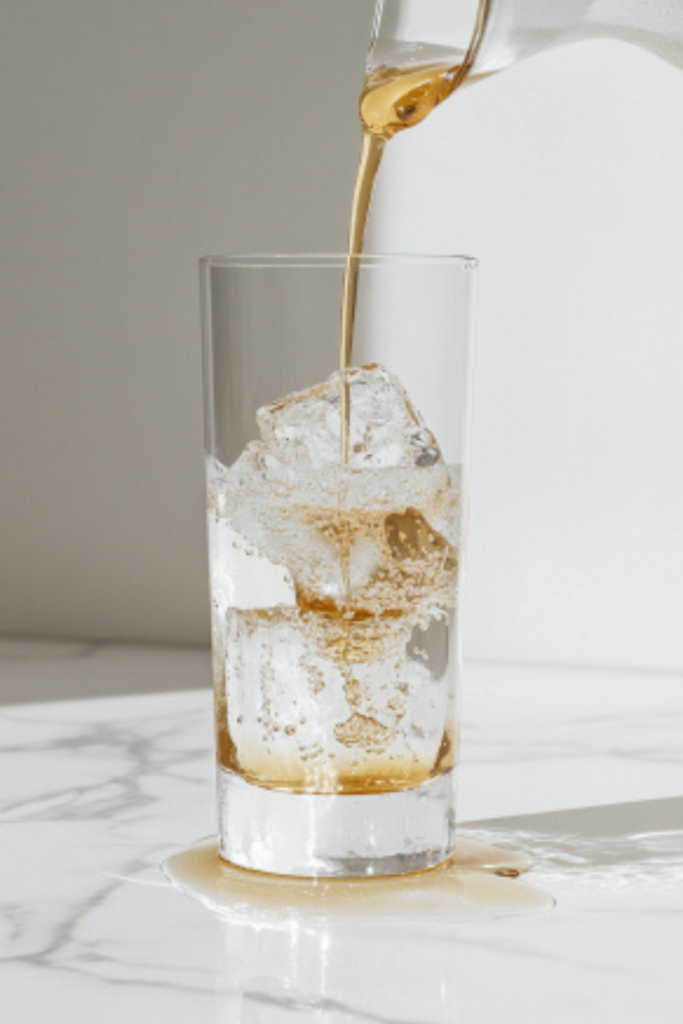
x=392 y=101
x=374 y=774
x=363 y=628
x=370 y=749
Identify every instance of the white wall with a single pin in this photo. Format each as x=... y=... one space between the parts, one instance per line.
x=565 y=176
x=135 y=139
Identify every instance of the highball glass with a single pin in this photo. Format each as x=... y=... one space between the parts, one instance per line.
x=335 y=518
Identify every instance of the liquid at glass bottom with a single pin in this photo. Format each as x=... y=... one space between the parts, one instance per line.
x=479 y=883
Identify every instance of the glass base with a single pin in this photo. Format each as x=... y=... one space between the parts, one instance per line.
x=343 y=835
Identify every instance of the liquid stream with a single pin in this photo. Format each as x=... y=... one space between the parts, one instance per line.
x=481 y=882
x=392 y=100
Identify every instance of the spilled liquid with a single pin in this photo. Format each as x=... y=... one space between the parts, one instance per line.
x=480 y=883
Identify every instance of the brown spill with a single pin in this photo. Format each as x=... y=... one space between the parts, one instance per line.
x=481 y=882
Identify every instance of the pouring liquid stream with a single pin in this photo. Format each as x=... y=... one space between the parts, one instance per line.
x=398 y=97
x=392 y=100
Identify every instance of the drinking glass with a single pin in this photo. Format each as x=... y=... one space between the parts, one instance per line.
x=335 y=520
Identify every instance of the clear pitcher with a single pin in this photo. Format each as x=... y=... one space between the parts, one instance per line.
x=471 y=39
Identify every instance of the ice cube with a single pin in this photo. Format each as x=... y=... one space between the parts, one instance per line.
x=384 y=429
x=376 y=536
x=279 y=693
x=296 y=717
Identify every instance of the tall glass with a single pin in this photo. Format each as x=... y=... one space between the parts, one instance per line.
x=335 y=517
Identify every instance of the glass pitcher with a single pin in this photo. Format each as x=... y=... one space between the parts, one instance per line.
x=477 y=38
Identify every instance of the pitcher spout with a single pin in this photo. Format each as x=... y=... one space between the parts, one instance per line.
x=477 y=38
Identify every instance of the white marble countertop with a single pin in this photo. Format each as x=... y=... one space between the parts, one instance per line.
x=582 y=769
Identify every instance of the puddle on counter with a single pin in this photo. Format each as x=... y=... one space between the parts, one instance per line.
x=480 y=882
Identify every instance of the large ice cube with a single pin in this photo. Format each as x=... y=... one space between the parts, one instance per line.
x=384 y=428
x=377 y=536
x=294 y=717
x=295 y=526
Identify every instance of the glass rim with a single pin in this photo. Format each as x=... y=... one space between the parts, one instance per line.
x=315 y=260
